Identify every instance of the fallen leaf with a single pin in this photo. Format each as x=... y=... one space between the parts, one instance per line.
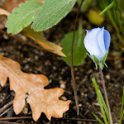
x=3 y=17
x=51 y=47
x=38 y=38
x=30 y=88
x=13 y=3
x=4 y=12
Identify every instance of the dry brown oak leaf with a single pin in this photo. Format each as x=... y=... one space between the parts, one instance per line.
x=30 y=88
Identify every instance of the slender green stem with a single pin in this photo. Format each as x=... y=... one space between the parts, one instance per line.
x=122 y=109
x=75 y=90
x=72 y=64
x=106 y=95
x=107 y=8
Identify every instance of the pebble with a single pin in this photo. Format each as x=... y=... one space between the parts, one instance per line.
x=62 y=84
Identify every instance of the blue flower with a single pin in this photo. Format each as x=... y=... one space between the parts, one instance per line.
x=97 y=42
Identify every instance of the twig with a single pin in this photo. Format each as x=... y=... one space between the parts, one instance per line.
x=29 y=117
x=6 y=122
x=6 y=111
x=106 y=95
x=15 y=118
x=5 y=107
x=72 y=64
x=79 y=119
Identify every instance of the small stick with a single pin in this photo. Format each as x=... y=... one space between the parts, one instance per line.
x=15 y=118
x=6 y=122
x=29 y=117
x=5 y=107
x=6 y=111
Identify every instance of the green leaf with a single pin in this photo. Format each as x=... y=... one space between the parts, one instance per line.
x=79 y=49
x=22 y=16
x=53 y=11
x=39 y=16
x=122 y=108
x=107 y=8
x=98 y=119
x=102 y=104
x=86 y=4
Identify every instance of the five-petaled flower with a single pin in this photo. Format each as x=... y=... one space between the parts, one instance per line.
x=97 y=42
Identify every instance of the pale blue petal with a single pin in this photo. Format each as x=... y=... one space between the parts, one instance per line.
x=91 y=44
x=107 y=39
x=100 y=40
x=93 y=32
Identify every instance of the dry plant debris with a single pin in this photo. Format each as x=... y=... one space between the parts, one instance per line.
x=13 y=3
x=39 y=38
x=4 y=12
x=30 y=88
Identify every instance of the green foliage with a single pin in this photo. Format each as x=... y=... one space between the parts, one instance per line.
x=98 y=119
x=107 y=8
x=113 y=10
x=100 y=63
x=39 y=16
x=86 y=4
x=102 y=104
x=79 y=51
x=122 y=109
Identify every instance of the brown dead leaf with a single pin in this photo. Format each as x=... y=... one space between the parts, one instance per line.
x=51 y=47
x=9 y=5
x=2 y=21
x=3 y=17
x=39 y=38
x=30 y=88
x=14 y=4
x=4 y=12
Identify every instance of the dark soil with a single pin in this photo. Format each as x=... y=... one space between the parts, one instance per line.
x=35 y=60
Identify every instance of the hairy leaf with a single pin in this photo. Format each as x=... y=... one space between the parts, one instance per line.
x=40 y=16
x=30 y=88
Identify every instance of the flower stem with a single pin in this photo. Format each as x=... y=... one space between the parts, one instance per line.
x=74 y=86
x=106 y=95
x=75 y=90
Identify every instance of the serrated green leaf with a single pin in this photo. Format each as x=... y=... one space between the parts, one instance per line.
x=79 y=50
x=39 y=16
